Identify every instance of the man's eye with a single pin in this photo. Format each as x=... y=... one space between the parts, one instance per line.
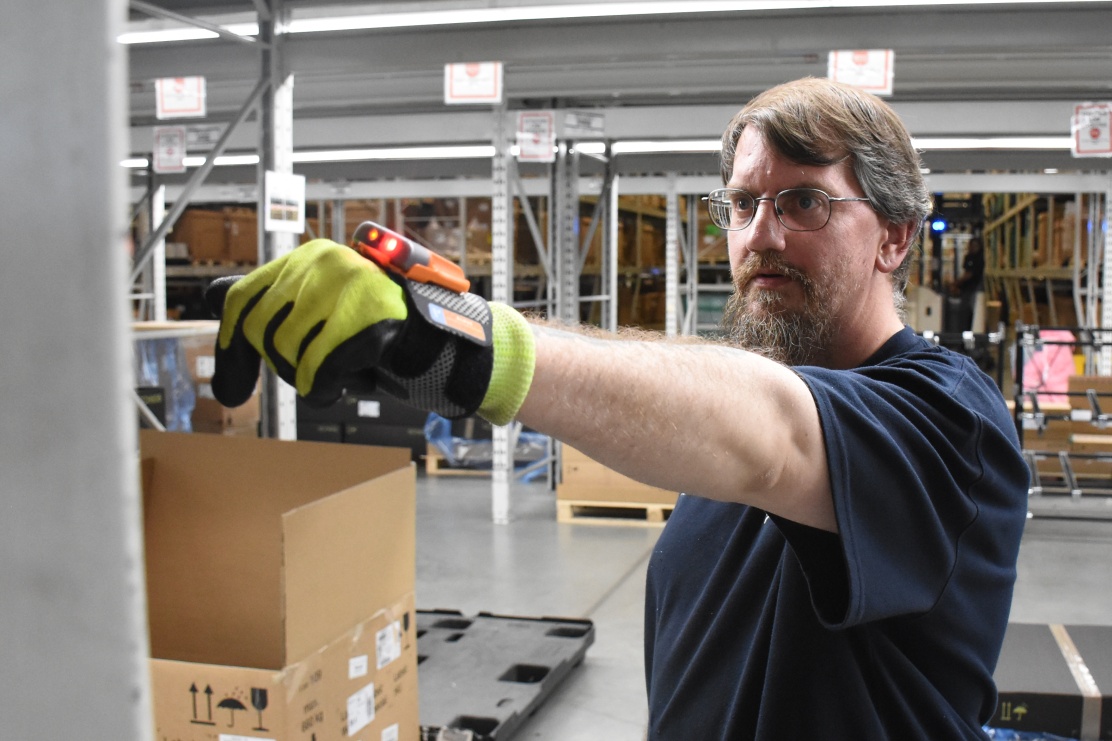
x=743 y=203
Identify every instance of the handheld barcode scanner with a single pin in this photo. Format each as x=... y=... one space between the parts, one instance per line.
x=391 y=251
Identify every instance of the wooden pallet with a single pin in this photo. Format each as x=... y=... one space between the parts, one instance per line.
x=437 y=465
x=612 y=513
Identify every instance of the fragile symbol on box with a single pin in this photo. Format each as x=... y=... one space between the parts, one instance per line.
x=259 y=701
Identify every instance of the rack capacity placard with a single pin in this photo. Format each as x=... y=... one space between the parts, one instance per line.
x=179 y=97
x=169 y=149
x=536 y=136
x=868 y=69
x=1091 y=130
x=473 y=82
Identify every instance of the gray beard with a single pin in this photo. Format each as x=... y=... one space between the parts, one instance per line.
x=802 y=337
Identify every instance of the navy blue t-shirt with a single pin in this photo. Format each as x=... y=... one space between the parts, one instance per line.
x=760 y=628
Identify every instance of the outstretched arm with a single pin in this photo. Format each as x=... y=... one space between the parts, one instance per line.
x=704 y=419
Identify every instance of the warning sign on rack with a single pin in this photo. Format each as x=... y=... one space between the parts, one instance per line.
x=1091 y=130
x=179 y=97
x=536 y=136
x=868 y=69
x=473 y=82
x=169 y=149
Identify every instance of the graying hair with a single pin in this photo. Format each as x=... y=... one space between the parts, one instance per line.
x=820 y=122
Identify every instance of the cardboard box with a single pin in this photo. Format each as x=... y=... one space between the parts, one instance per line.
x=209 y=415
x=1049 y=679
x=243 y=235
x=280 y=582
x=204 y=232
x=200 y=356
x=585 y=479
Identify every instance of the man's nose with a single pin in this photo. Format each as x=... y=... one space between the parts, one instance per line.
x=765 y=232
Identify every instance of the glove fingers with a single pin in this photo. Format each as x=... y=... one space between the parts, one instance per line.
x=357 y=356
x=237 y=364
x=282 y=367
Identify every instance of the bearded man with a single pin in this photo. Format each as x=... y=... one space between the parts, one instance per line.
x=841 y=563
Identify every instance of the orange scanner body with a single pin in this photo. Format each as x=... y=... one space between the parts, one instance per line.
x=391 y=251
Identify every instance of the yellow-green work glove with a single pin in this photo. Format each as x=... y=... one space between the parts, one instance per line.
x=324 y=318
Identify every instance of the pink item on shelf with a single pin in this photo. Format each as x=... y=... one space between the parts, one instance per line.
x=1047 y=371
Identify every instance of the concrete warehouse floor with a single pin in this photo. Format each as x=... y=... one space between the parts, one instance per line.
x=535 y=567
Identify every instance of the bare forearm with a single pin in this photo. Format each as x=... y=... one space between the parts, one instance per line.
x=700 y=418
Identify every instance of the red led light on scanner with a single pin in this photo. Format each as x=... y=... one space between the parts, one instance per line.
x=408 y=259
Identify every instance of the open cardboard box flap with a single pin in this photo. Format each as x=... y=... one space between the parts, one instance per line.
x=259 y=552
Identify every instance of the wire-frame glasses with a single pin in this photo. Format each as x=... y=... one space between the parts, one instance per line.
x=798 y=209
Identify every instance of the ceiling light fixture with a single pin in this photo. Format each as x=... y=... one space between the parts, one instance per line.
x=993 y=142
x=680 y=146
x=310 y=20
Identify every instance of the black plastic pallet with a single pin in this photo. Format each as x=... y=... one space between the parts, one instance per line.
x=482 y=676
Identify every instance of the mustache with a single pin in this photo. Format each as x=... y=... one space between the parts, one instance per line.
x=766 y=262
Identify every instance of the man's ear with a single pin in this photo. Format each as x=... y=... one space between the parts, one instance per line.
x=897 y=241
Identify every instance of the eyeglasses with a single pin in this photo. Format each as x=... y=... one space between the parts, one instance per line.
x=798 y=209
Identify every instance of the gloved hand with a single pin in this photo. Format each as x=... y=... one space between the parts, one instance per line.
x=323 y=317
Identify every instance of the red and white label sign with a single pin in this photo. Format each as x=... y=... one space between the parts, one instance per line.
x=179 y=97
x=868 y=69
x=536 y=136
x=169 y=149
x=473 y=82
x=1091 y=130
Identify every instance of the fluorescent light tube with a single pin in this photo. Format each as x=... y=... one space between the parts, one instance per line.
x=396 y=153
x=339 y=18
x=691 y=146
x=994 y=142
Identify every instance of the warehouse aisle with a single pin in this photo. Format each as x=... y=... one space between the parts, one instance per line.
x=537 y=567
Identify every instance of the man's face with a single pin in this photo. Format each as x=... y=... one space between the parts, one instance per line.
x=795 y=291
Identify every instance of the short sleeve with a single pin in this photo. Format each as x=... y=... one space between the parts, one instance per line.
x=918 y=449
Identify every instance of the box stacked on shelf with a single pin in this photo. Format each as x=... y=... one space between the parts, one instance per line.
x=209 y=415
x=204 y=231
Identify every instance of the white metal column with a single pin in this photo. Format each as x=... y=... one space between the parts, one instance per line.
x=501 y=289
x=279 y=407
x=610 y=255
x=671 y=258
x=73 y=619
x=339 y=222
x=690 y=248
x=1098 y=237
x=566 y=252
x=158 y=257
